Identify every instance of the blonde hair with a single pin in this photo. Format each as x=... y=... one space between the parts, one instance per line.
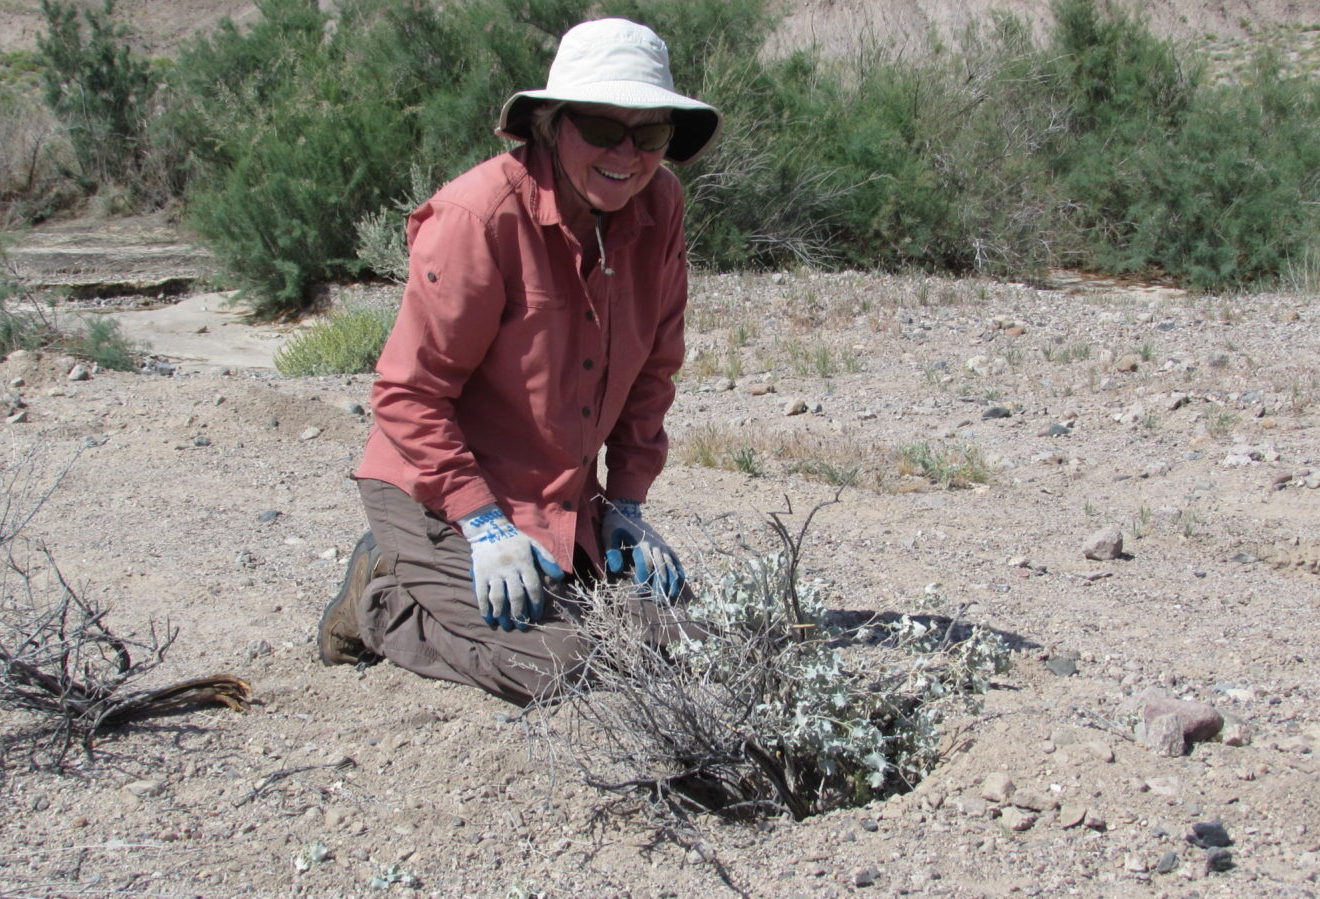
x=544 y=123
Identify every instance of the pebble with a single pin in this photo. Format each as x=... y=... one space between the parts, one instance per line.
x=80 y=372
x=1104 y=545
x=1218 y=860
x=1209 y=834
x=1168 y=861
x=1199 y=721
x=864 y=877
x=310 y=434
x=795 y=407
x=1071 y=815
x=997 y=787
x=1016 y=819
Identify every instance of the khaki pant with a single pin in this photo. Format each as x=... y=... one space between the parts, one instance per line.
x=420 y=611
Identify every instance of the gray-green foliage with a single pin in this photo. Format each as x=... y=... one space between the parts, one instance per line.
x=381 y=243
x=346 y=342
x=1098 y=146
x=764 y=706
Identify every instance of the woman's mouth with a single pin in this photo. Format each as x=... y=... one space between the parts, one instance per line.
x=613 y=176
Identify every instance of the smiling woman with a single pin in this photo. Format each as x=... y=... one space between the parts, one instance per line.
x=542 y=323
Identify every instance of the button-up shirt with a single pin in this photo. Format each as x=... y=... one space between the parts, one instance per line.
x=507 y=370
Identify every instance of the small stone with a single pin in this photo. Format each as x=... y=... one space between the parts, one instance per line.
x=259 y=648
x=1100 y=750
x=997 y=787
x=1236 y=732
x=310 y=434
x=268 y=516
x=80 y=372
x=1218 y=860
x=795 y=407
x=142 y=788
x=1135 y=864
x=201 y=440
x=1071 y=815
x=1104 y=545
x=1094 y=821
x=1209 y=834
x=997 y=412
x=1063 y=664
x=353 y=408
x=1017 y=820
x=1164 y=735
x=864 y=877
x=1168 y=861
x=1128 y=363
x=1032 y=800
x=1199 y=721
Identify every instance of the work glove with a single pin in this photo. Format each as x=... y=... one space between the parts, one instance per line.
x=506 y=569
x=632 y=543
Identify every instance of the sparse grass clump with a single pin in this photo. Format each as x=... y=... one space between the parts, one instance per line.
x=347 y=342
x=947 y=466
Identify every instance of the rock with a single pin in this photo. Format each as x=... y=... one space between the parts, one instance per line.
x=1164 y=735
x=1033 y=800
x=310 y=434
x=1209 y=834
x=268 y=516
x=1071 y=815
x=795 y=407
x=1100 y=750
x=1218 y=860
x=142 y=788
x=1063 y=664
x=1199 y=721
x=1168 y=861
x=258 y=648
x=201 y=440
x=864 y=877
x=1104 y=545
x=80 y=372
x=1135 y=864
x=1236 y=732
x=997 y=412
x=1127 y=363
x=1016 y=819
x=997 y=787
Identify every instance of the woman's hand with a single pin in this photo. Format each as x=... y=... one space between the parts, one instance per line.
x=632 y=543
x=506 y=569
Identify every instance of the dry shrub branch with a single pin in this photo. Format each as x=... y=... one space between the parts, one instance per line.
x=762 y=706
x=59 y=659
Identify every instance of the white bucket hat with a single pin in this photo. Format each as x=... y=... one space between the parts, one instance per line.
x=617 y=63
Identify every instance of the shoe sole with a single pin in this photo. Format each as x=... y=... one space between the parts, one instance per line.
x=360 y=565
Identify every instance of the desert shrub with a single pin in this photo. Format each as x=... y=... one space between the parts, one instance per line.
x=100 y=340
x=102 y=93
x=346 y=342
x=764 y=706
x=382 y=244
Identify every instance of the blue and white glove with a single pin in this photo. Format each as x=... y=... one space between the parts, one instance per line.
x=506 y=569
x=632 y=543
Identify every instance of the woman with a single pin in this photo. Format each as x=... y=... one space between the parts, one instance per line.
x=542 y=321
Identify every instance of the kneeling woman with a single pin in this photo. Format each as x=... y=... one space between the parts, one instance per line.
x=542 y=322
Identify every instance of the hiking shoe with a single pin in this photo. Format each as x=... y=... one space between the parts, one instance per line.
x=339 y=639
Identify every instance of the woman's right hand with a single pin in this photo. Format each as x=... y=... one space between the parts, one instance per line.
x=506 y=569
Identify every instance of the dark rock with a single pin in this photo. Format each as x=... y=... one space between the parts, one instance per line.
x=997 y=412
x=1209 y=834
x=1218 y=860
x=1168 y=861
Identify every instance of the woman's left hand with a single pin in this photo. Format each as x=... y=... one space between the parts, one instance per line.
x=632 y=543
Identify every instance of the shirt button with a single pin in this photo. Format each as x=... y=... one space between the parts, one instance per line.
x=591 y=316
x=588 y=364
x=430 y=276
x=568 y=506
x=586 y=411
x=585 y=460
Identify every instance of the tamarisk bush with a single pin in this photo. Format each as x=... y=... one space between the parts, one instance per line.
x=763 y=706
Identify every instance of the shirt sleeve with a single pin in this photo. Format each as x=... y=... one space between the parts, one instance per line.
x=636 y=448
x=449 y=315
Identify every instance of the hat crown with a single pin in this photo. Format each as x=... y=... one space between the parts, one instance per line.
x=608 y=50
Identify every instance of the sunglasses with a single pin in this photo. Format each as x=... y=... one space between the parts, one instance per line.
x=602 y=132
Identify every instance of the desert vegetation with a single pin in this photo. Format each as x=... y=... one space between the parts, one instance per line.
x=291 y=145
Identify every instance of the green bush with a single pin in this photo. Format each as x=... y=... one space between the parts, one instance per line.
x=100 y=340
x=346 y=342
x=1099 y=147
x=102 y=93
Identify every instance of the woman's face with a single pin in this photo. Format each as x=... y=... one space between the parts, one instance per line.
x=607 y=177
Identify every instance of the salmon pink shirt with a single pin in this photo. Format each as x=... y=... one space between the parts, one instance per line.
x=507 y=371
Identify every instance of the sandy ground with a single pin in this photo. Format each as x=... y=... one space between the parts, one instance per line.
x=1187 y=422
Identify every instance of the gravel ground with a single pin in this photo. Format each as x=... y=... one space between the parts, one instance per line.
x=1186 y=422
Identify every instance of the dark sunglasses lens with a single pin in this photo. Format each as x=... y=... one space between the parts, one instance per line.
x=600 y=132
x=603 y=132
x=652 y=137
